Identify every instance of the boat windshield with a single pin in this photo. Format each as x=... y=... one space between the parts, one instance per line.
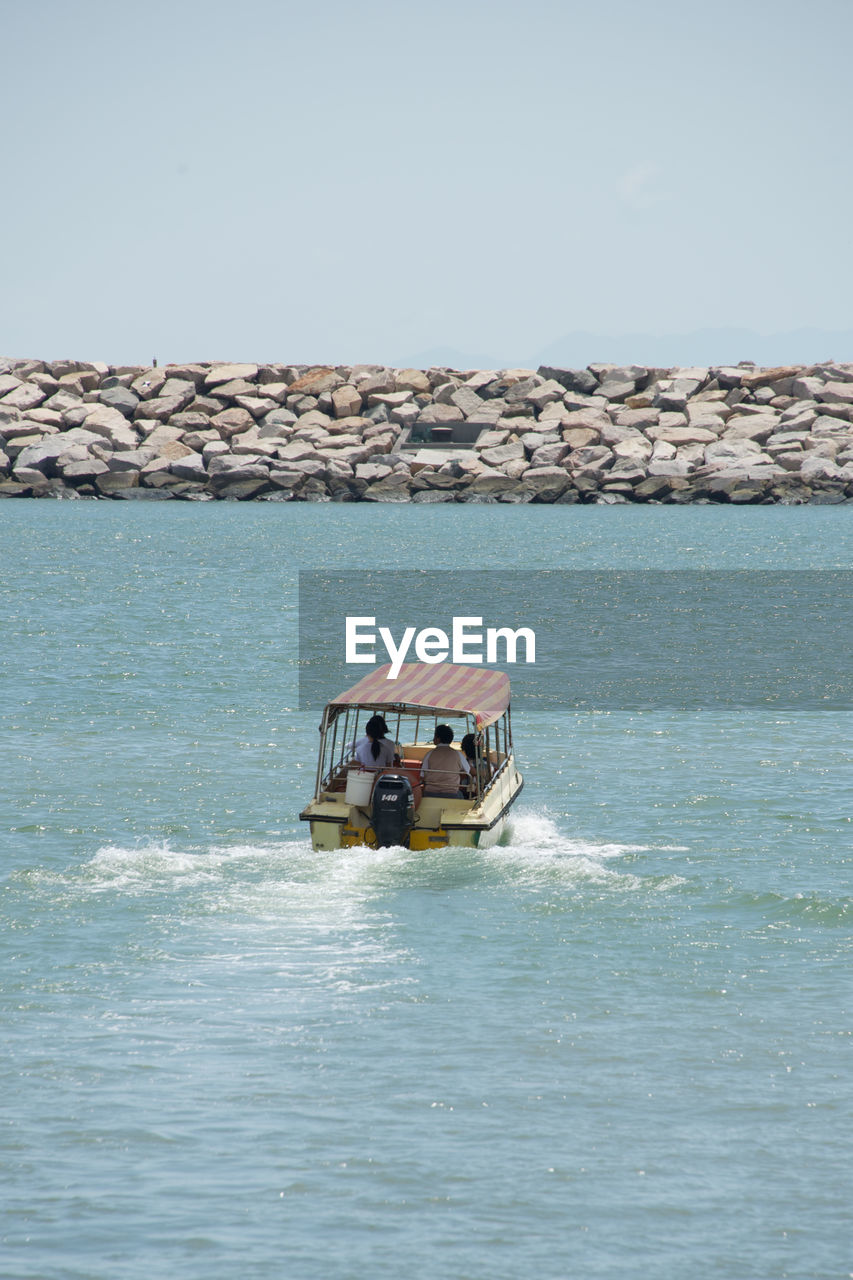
x=412 y=730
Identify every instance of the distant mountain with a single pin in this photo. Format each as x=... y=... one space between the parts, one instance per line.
x=701 y=347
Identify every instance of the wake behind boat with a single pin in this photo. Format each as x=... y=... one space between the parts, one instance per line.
x=422 y=800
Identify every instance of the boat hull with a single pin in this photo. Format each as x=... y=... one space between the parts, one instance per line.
x=438 y=822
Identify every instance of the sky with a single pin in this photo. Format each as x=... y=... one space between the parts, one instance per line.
x=557 y=181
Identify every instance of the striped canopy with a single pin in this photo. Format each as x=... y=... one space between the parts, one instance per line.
x=442 y=686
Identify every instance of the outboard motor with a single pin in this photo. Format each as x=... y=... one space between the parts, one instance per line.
x=393 y=810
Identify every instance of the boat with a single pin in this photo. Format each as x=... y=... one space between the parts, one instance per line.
x=391 y=806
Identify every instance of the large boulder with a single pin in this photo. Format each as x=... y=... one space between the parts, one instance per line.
x=619 y=384
x=232 y=422
x=25 y=396
x=109 y=423
x=440 y=414
x=315 y=382
x=580 y=380
x=546 y=483
x=223 y=373
x=148 y=384
x=502 y=454
x=412 y=380
x=391 y=488
x=346 y=401
x=162 y=407
x=121 y=398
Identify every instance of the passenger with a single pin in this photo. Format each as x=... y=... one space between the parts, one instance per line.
x=375 y=750
x=480 y=769
x=443 y=767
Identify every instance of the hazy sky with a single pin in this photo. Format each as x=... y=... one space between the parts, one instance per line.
x=198 y=179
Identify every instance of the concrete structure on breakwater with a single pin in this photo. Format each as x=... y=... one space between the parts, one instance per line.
x=368 y=433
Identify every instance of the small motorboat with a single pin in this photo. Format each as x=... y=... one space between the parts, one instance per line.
x=399 y=804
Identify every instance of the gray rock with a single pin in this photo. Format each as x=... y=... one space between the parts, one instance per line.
x=750 y=427
x=228 y=391
x=315 y=381
x=611 y=433
x=490 y=439
x=32 y=478
x=232 y=422
x=673 y=394
x=730 y=450
x=414 y=380
x=433 y=496
x=636 y=451
x=593 y=456
x=580 y=380
x=546 y=483
x=466 y=399
x=581 y=437
x=551 y=455
x=548 y=392
x=108 y=423
x=669 y=467
x=405 y=415
x=520 y=391
x=490 y=480
x=618 y=384
x=121 y=398
x=638 y=419
x=110 y=482
x=241 y=490
x=441 y=414
x=208 y=405
x=277 y=421
x=502 y=453
x=42 y=455
x=379 y=382
x=393 y=488
x=682 y=435
x=191 y=467
x=296 y=450
x=83 y=470
x=836 y=393
x=128 y=460
x=257 y=406
x=255 y=472
x=25 y=396
x=826 y=425
x=346 y=401
x=161 y=407
x=533 y=439
x=148 y=384
x=223 y=373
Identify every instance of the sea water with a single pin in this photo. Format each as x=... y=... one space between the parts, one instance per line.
x=616 y=1045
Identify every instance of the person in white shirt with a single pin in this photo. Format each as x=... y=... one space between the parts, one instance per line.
x=443 y=768
x=376 y=750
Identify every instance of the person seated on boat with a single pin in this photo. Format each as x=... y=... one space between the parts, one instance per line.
x=443 y=768
x=479 y=769
x=376 y=750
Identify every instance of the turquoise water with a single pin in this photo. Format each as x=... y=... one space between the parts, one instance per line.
x=618 y=1045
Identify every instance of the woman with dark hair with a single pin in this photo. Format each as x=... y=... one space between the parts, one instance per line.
x=479 y=768
x=375 y=750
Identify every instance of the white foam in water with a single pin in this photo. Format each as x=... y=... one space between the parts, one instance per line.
x=537 y=849
x=156 y=866
x=290 y=879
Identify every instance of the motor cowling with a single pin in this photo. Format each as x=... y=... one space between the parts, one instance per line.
x=393 y=812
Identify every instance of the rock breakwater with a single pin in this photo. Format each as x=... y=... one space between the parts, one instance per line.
x=274 y=432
